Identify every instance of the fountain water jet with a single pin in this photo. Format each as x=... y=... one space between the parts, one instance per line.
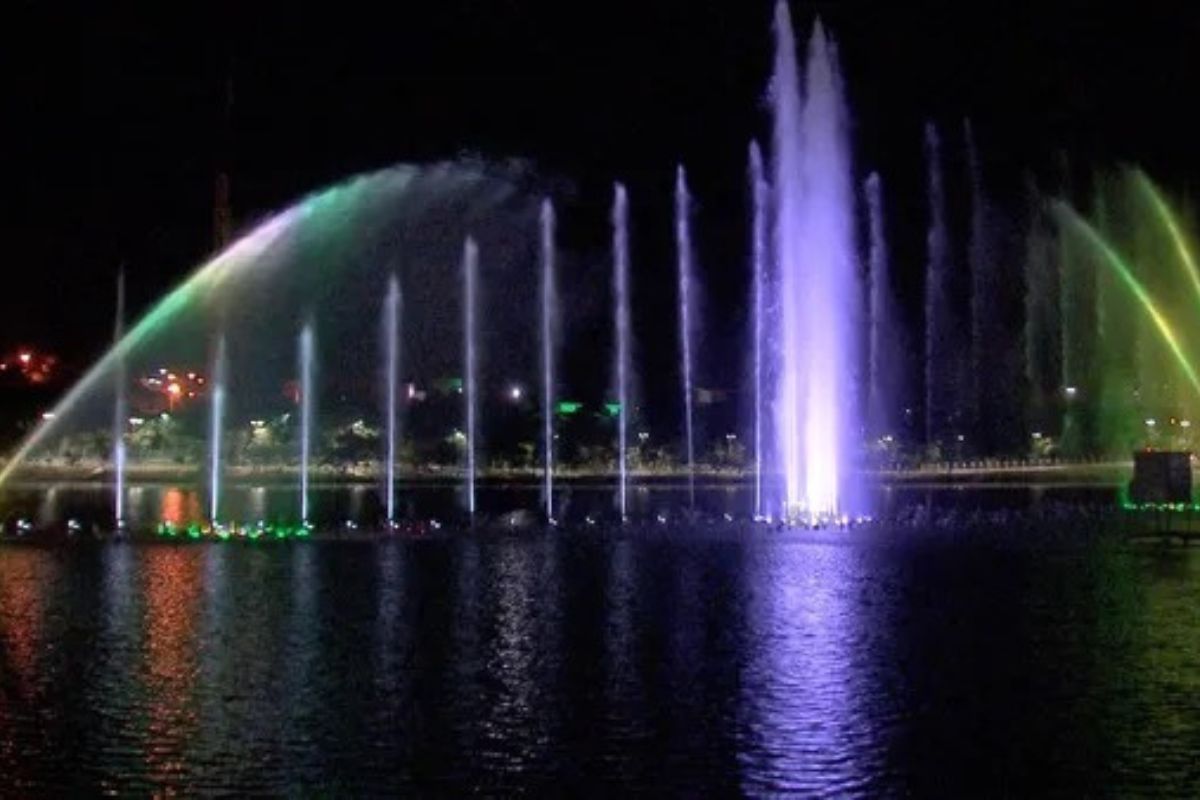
x=306 y=410
x=548 y=301
x=120 y=404
x=759 y=193
x=878 y=422
x=620 y=223
x=939 y=383
x=1124 y=270
x=683 y=248
x=216 y=423
x=983 y=294
x=391 y=334
x=470 y=266
x=818 y=282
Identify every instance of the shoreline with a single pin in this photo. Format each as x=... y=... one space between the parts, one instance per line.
x=975 y=473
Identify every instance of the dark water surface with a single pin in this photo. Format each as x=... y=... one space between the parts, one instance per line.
x=681 y=661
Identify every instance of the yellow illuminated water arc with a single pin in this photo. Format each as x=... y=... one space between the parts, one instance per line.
x=1123 y=270
x=1171 y=223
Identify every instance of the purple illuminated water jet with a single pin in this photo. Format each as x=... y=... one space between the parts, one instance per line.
x=878 y=311
x=620 y=223
x=818 y=287
x=470 y=266
x=683 y=248
x=940 y=383
x=760 y=197
x=216 y=423
x=391 y=333
x=120 y=404
x=548 y=303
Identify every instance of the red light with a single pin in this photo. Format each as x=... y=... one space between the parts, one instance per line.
x=25 y=357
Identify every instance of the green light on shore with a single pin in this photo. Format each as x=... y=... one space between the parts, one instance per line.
x=612 y=409
x=1174 y=508
x=566 y=408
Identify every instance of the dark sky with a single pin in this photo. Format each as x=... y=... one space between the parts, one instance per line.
x=113 y=118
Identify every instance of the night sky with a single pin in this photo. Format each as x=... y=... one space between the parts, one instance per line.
x=114 y=121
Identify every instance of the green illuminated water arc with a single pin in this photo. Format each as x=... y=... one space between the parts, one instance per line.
x=1123 y=271
x=1171 y=223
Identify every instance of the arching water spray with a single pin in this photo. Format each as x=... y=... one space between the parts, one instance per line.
x=548 y=314
x=683 y=249
x=391 y=336
x=759 y=193
x=470 y=266
x=360 y=209
x=1124 y=271
x=120 y=404
x=306 y=411
x=620 y=223
x=216 y=425
x=1169 y=221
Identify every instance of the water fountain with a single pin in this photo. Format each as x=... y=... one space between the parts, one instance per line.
x=548 y=314
x=120 y=405
x=878 y=313
x=216 y=424
x=759 y=192
x=683 y=249
x=621 y=332
x=940 y=377
x=306 y=412
x=983 y=287
x=391 y=340
x=469 y=267
x=817 y=281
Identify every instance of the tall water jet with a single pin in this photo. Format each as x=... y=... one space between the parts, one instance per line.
x=621 y=331
x=760 y=197
x=548 y=303
x=939 y=378
x=391 y=341
x=683 y=248
x=983 y=295
x=470 y=266
x=879 y=313
x=216 y=424
x=1042 y=349
x=818 y=278
x=306 y=411
x=120 y=404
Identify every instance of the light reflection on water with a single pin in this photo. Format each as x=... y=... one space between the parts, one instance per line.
x=332 y=505
x=672 y=662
